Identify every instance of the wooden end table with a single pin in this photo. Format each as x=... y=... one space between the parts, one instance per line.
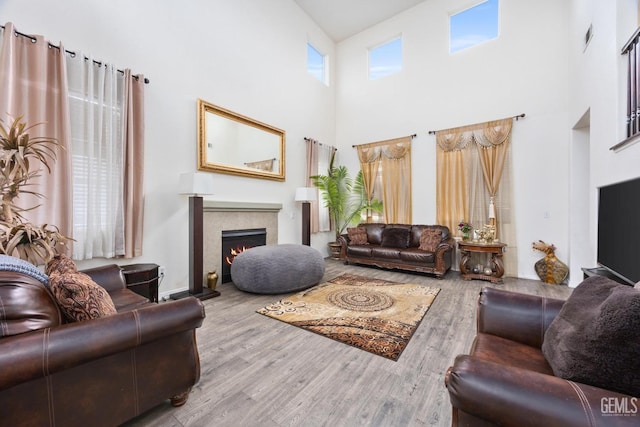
x=496 y=250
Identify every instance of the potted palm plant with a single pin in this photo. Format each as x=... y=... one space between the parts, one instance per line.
x=346 y=199
x=18 y=154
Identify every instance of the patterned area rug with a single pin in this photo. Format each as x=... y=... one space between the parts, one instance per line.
x=374 y=315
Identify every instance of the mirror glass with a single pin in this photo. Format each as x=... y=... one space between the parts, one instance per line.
x=234 y=144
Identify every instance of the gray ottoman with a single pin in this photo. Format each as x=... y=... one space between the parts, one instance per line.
x=277 y=269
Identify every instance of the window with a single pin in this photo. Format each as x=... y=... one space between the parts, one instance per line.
x=316 y=64
x=385 y=59
x=473 y=26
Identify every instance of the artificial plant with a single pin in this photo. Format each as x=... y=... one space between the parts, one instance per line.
x=345 y=197
x=18 y=155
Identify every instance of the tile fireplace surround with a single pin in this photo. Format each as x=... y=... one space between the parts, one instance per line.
x=220 y=216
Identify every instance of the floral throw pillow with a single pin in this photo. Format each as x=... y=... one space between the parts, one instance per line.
x=430 y=239
x=79 y=297
x=357 y=236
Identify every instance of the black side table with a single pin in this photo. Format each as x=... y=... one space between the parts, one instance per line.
x=142 y=279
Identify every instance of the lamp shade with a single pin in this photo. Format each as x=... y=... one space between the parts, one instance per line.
x=305 y=194
x=195 y=183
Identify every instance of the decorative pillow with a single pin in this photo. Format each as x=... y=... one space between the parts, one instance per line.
x=79 y=297
x=595 y=339
x=395 y=237
x=357 y=236
x=430 y=239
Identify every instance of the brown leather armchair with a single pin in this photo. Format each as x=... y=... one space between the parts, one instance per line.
x=99 y=372
x=506 y=381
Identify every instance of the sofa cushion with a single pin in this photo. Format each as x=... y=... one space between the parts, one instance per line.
x=374 y=232
x=595 y=339
x=363 y=251
x=25 y=305
x=417 y=256
x=507 y=352
x=430 y=239
x=79 y=297
x=395 y=237
x=385 y=253
x=357 y=235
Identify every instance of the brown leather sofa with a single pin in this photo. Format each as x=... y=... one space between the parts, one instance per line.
x=404 y=256
x=99 y=372
x=506 y=381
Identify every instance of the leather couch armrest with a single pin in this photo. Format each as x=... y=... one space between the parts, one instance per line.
x=109 y=276
x=509 y=396
x=519 y=317
x=39 y=353
x=343 y=240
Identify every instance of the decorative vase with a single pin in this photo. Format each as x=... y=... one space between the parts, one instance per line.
x=466 y=236
x=212 y=279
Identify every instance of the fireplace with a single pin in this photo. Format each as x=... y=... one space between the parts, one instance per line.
x=236 y=241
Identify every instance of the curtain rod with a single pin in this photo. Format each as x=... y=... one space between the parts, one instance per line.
x=410 y=136
x=73 y=54
x=311 y=139
x=519 y=116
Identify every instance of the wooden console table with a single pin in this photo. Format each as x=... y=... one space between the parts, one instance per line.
x=497 y=267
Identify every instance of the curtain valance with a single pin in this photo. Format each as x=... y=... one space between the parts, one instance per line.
x=486 y=134
x=391 y=149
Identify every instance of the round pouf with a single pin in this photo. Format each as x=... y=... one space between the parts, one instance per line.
x=277 y=269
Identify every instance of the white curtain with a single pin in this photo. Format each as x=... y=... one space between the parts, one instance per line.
x=96 y=97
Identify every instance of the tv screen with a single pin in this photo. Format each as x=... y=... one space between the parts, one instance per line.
x=619 y=229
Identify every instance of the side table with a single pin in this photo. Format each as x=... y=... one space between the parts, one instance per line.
x=142 y=279
x=494 y=249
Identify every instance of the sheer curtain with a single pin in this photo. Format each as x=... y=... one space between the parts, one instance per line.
x=96 y=94
x=474 y=166
x=318 y=161
x=388 y=163
x=33 y=85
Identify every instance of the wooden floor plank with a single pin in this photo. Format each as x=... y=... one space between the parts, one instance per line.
x=258 y=371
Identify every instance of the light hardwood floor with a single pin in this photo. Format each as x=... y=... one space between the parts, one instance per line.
x=257 y=371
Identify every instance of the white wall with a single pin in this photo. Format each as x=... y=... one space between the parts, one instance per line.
x=525 y=70
x=248 y=56
x=598 y=86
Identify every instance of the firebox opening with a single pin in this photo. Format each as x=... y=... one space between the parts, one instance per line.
x=236 y=241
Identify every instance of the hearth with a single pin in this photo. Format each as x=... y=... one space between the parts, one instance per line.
x=236 y=241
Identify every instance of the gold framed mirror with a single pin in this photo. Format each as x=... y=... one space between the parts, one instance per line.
x=235 y=144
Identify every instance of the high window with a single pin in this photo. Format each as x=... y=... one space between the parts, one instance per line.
x=316 y=64
x=385 y=59
x=473 y=26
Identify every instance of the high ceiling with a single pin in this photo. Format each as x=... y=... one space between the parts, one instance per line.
x=341 y=19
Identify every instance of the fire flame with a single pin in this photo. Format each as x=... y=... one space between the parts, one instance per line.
x=234 y=253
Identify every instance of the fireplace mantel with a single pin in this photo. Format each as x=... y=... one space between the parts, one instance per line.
x=228 y=215
x=218 y=206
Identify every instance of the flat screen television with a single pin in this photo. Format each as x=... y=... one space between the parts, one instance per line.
x=619 y=229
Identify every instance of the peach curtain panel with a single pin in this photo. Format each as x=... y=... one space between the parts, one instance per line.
x=134 y=164
x=474 y=166
x=393 y=186
x=33 y=85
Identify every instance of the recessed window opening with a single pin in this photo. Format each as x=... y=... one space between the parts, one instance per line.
x=385 y=59
x=316 y=64
x=473 y=26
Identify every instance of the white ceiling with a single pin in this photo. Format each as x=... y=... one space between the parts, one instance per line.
x=341 y=19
